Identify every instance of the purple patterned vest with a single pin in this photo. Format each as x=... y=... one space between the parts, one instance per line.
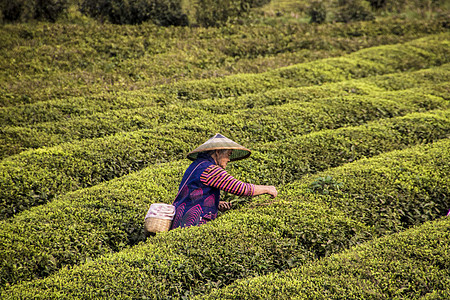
x=196 y=202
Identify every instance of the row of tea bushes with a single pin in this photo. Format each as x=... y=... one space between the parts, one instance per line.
x=72 y=107
x=108 y=217
x=251 y=243
x=99 y=57
x=65 y=111
x=402 y=196
x=300 y=75
x=418 y=54
x=308 y=154
x=366 y=63
x=101 y=106
x=17 y=139
x=36 y=176
x=84 y=224
x=253 y=240
x=409 y=265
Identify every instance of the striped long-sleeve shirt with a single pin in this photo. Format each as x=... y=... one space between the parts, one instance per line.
x=217 y=177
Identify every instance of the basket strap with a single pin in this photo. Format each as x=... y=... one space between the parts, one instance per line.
x=187 y=180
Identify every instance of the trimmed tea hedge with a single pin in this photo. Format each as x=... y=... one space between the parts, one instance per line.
x=35 y=177
x=424 y=82
x=17 y=139
x=254 y=240
x=252 y=243
x=410 y=265
x=108 y=217
x=82 y=225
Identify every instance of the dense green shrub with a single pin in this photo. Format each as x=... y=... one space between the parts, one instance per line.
x=405 y=202
x=377 y=4
x=254 y=240
x=83 y=225
x=218 y=12
x=118 y=205
x=96 y=125
x=251 y=242
x=318 y=12
x=410 y=265
x=160 y=12
x=353 y=10
x=169 y=12
x=26 y=10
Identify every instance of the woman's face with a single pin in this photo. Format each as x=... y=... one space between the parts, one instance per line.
x=223 y=157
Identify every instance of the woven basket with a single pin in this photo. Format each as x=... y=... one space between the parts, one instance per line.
x=157 y=225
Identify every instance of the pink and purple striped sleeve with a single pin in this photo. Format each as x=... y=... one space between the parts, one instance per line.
x=217 y=177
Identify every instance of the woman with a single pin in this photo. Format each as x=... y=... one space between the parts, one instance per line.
x=198 y=198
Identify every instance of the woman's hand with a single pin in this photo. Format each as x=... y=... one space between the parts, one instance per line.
x=271 y=190
x=224 y=206
x=265 y=189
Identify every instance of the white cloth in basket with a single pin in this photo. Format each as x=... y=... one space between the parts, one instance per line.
x=161 y=211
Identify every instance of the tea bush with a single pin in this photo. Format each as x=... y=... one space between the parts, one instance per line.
x=253 y=240
x=318 y=12
x=37 y=176
x=83 y=225
x=18 y=139
x=119 y=205
x=354 y=10
x=411 y=264
x=252 y=243
x=392 y=202
x=213 y=13
x=318 y=151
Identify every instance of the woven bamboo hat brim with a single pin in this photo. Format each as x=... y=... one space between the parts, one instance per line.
x=220 y=142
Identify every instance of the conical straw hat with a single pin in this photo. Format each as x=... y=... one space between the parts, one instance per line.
x=219 y=142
